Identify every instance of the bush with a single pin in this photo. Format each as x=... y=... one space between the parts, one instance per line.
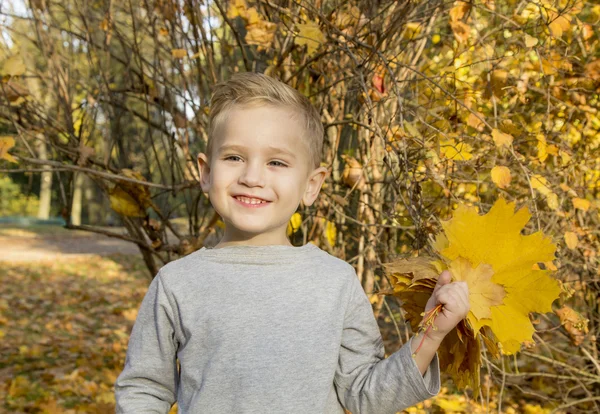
x=13 y=202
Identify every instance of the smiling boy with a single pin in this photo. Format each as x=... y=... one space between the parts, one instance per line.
x=257 y=325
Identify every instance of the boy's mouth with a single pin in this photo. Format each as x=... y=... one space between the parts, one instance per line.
x=250 y=200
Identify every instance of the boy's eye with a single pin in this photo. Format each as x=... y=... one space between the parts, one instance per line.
x=277 y=164
x=232 y=158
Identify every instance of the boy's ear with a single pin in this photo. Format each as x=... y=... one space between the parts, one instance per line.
x=313 y=186
x=204 y=171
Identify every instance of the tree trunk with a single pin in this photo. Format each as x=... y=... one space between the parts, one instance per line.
x=46 y=182
x=77 y=204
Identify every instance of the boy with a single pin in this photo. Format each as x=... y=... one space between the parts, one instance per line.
x=260 y=326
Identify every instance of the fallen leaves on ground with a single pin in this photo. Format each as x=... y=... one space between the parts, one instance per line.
x=64 y=326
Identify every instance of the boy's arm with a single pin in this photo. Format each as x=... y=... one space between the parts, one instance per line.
x=368 y=383
x=149 y=379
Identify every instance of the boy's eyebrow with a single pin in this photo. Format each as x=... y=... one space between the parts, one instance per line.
x=272 y=150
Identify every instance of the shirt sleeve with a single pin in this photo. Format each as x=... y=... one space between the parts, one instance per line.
x=149 y=380
x=365 y=381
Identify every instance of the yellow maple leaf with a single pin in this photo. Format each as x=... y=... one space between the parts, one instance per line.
x=495 y=239
x=309 y=35
x=483 y=293
x=505 y=284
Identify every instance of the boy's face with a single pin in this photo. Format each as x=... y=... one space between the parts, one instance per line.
x=258 y=173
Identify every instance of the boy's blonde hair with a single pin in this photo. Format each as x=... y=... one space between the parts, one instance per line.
x=255 y=89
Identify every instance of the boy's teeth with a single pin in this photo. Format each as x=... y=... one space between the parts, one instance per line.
x=250 y=200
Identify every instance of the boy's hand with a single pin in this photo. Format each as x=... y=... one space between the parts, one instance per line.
x=455 y=300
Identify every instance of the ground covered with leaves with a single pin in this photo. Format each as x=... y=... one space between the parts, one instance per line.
x=64 y=327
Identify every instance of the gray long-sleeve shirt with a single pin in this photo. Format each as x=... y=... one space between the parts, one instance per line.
x=264 y=329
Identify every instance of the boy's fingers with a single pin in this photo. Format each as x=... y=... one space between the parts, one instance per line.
x=444 y=279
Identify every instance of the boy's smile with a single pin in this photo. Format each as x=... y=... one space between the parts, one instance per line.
x=258 y=173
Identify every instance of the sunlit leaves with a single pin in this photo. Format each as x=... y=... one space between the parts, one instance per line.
x=179 y=53
x=592 y=70
x=498 y=263
x=309 y=34
x=294 y=224
x=571 y=240
x=501 y=139
x=559 y=23
x=581 y=204
x=330 y=232
x=13 y=66
x=501 y=176
x=456 y=150
x=496 y=239
x=6 y=143
x=460 y=29
x=130 y=199
x=530 y=41
x=574 y=323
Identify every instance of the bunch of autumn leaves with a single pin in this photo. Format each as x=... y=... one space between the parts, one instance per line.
x=506 y=284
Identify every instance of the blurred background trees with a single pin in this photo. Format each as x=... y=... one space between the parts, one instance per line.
x=104 y=107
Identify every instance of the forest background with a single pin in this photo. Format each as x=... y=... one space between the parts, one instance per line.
x=426 y=104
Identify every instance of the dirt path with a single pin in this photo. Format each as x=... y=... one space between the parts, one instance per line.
x=26 y=245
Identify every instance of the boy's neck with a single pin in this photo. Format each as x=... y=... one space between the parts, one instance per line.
x=221 y=245
x=258 y=240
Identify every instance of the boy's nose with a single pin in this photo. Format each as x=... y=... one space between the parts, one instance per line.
x=252 y=176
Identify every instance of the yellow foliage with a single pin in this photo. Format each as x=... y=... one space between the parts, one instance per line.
x=7 y=143
x=258 y=31
x=559 y=24
x=530 y=41
x=330 y=232
x=456 y=151
x=236 y=8
x=574 y=323
x=178 y=53
x=461 y=31
x=483 y=293
x=13 y=66
x=294 y=224
x=130 y=199
x=309 y=34
x=581 y=204
x=495 y=239
x=540 y=184
x=501 y=176
x=501 y=139
x=499 y=265
x=571 y=240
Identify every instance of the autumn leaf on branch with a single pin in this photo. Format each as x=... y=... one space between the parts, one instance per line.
x=499 y=265
x=130 y=199
x=309 y=34
x=7 y=143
